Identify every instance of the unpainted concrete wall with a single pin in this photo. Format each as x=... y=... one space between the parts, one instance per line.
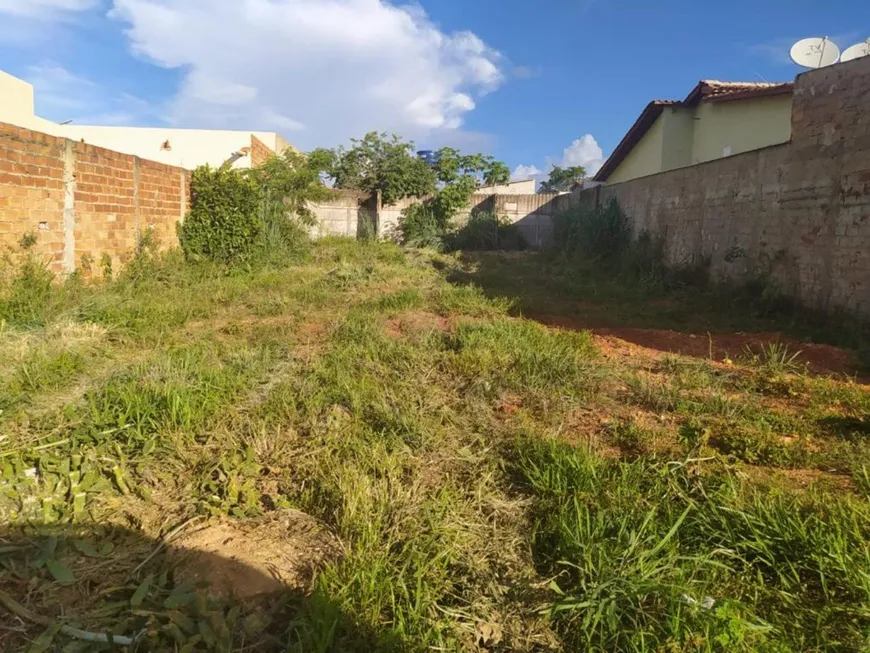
x=799 y=212
x=346 y=213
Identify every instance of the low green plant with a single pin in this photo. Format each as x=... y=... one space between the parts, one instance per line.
x=420 y=226
x=30 y=295
x=223 y=223
x=601 y=234
x=705 y=566
x=522 y=355
x=485 y=230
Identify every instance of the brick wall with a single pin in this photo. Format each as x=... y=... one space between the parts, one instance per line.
x=81 y=200
x=260 y=152
x=799 y=212
x=32 y=190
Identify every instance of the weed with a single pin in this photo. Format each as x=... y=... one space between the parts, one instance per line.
x=485 y=230
x=183 y=390
x=697 y=567
x=521 y=355
x=630 y=437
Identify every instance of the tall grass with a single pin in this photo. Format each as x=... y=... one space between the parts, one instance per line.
x=648 y=556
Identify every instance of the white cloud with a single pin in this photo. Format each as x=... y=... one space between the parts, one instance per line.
x=34 y=24
x=48 y=9
x=61 y=95
x=325 y=69
x=584 y=151
x=521 y=173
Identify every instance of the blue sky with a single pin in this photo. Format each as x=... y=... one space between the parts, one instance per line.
x=535 y=82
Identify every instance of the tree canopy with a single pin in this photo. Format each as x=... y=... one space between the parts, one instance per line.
x=562 y=179
x=386 y=163
x=378 y=162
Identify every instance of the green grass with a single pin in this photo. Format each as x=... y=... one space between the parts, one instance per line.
x=494 y=484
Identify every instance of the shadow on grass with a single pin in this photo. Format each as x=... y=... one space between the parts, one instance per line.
x=703 y=322
x=72 y=588
x=848 y=428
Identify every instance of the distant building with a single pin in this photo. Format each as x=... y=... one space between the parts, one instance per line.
x=717 y=119
x=524 y=187
x=187 y=148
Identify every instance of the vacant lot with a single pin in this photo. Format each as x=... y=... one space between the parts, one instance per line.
x=379 y=435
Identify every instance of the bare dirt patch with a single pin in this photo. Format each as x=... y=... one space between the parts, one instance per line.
x=253 y=558
x=822 y=359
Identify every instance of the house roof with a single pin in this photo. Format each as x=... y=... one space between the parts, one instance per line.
x=707 y=90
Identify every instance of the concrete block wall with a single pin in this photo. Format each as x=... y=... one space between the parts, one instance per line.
x=532 y=214
x=83 y=201
x=344 y=214
x=799 y=212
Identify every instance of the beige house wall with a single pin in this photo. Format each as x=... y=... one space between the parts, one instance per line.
x=645 y=158
x=678 y=126
x=524 y=187
x=727 y=128
x=16 y=106
x=796 y=214
x=683 y=136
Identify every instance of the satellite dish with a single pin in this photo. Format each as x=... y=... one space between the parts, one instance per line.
x=815 y=53
x=856 y=51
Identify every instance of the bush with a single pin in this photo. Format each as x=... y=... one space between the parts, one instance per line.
x=253 y=216
x=223 y=224
x=602 y=234
x=485 y=230
x=421 y=226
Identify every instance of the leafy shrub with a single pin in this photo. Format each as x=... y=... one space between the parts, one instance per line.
x=485 y=230
x=602 y=233
x=254 y=216
x=223 y=224
x=421 y=226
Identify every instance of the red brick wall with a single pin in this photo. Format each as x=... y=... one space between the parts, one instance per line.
x=260 y=152
x=105 y=211
x=32 y=190
x=161 y=189
x=112 y=198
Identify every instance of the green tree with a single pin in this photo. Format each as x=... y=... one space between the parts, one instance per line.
x=562 y=179
x=459 y=176
x=482 y=169
x=288 y=182
x=378 y=162
x=243 y=216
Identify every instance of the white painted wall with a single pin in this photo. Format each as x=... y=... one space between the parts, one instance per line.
x=189 y=147
x=16 y=106
x=524 y=187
